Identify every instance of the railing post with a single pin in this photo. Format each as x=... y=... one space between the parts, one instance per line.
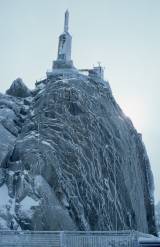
x=62 y=239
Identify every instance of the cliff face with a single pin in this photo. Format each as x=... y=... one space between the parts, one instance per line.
x=157 y=216
x=72 y=161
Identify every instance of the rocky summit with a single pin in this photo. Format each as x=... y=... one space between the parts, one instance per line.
x=71 y=160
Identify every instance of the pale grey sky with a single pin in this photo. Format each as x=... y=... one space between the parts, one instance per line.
x=123 y=34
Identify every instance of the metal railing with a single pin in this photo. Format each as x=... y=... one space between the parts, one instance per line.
x=69 y=239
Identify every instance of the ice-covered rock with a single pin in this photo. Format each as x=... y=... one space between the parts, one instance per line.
x=9 y=125
x=77 y=160
x=18 y=89
x=157 y=215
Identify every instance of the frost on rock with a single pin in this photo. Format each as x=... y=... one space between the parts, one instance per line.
x=9 y=126
x=76 y=161
x=4 y=195
x=157 y=216
x=19 y=89
x=7 y=213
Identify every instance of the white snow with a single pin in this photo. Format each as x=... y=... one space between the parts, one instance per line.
x=4 y=198
x=11 y=173
x=3 y=224
x=39 y=180
x=47 y=143
x=28 y=202
x=25 y=172
x=6 y=202
x=41 y=86
x=32 y=113
x=26 y=206
x=7 y=114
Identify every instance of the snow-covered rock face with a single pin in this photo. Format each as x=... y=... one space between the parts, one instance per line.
x=78 y=163
x=10 y=123
x=18 y=89
x=157 y=215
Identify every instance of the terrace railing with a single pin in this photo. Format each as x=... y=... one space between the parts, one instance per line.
x=70 y=239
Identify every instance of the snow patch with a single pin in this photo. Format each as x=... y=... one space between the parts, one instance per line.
x=47 y=143
x=27 y=206
x=7 y=204
x=3 y=224
x=4 y=197
x=28 y=202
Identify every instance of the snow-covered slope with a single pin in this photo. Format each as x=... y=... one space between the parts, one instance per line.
x=75 y=163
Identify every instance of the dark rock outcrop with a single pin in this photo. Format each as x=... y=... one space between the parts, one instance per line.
x=18 y=89
x=77 y=163
x=157 y=215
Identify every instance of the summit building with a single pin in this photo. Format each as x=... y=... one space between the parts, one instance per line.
x=64 y=63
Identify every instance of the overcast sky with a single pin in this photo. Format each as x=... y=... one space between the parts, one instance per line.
x=123 y=34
